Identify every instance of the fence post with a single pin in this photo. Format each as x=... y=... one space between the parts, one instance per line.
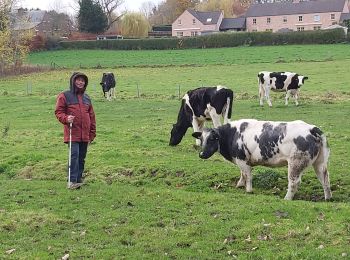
x=138 y=90
x=179 y=91
x=29 y=88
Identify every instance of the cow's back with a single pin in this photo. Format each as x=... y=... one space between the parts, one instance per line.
x=274 y=143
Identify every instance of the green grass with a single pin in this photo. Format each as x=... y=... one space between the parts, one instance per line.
x=145 y=199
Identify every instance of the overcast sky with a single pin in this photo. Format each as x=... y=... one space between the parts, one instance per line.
x=68 y=5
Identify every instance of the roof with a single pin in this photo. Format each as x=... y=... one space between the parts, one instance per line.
x=290 y=8
x=27 y=20
x=36 y=16
x=206 y=17
x=233 y=23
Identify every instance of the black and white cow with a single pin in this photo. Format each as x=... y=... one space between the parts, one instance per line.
x=199 y=105
x=279 y=81
x=108 y=85
x=248 y=142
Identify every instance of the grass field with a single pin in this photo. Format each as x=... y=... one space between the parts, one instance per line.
x=147 y=200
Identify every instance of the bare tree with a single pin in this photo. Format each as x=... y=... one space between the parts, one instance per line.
x=110 y=7
x=147 y=8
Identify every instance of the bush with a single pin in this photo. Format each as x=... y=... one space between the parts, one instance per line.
x=52 y=43
x=217 y=40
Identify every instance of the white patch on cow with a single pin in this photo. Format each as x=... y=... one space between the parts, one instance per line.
x=218 y=87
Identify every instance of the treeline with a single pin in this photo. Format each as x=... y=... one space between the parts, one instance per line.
x=218 y=40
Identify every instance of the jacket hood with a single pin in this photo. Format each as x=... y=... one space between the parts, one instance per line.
x=73 y=77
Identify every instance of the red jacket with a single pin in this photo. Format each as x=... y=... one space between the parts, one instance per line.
x=78 y=104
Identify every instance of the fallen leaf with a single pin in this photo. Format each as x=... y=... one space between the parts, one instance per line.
x=65 y=257
x=281 y=214
x=248 y=239
x=10 y=251
x=321 y=247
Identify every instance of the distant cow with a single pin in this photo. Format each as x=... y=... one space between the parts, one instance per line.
x=279 y=81
x=108 y=85
x=248 y=142
x=199 y=105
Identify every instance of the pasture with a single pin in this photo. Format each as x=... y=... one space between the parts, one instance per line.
x=145 y=199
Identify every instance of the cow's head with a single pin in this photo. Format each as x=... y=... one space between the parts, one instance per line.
x=176 y=134
x=301 y=80
x=210 y=142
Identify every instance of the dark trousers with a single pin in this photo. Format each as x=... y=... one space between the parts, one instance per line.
x=79 y=150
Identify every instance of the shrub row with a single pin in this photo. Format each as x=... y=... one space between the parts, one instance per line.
x=217 y=40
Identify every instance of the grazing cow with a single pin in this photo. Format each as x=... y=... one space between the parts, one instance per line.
x=108 y=85
x=248 y=142
x=279 y=81
x=199 y=105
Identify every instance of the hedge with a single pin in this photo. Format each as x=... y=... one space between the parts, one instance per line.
x=216 y=40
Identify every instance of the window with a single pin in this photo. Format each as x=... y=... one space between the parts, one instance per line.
x=179 y=21
x=300 y=18
x=300 y=29
x=285 y=19
x=268 y=20
x=254 y=21
x=332 y=16
x=209 y=20
x=179 y=34
x=317 y=18
x=316 y=28
x=195 y=33
x=193 y=21
x=254 y=30
x=268 y=30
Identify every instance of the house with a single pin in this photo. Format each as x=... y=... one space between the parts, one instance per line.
x=193 y=23
x=38 y=22
x=296 y=15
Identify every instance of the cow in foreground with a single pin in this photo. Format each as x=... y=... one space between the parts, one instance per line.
x=108 y=85
x=248 y=142
x=288 y=82
x=199 y=105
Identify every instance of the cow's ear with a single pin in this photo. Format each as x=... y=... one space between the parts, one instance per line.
x=305 y=78
x=197 y=135
x=216 y=134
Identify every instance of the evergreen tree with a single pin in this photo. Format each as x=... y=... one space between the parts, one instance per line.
x=91 y=17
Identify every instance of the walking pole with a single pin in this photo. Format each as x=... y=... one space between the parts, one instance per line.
x=70 y=151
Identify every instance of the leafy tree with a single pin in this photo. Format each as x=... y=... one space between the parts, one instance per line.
x=168 y=10
x=91 y=17
x=135 y=25
x=14 y=44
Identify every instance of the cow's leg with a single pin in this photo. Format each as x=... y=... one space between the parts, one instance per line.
x=241 y=182
x=323 y=176
x=196 y=124
x=287 y=97
x=215 y=117
x=267 y=95
x=227 y=108
x=296 y=96
x=261 y=94
x=246 y=171
x=113 y=91
x=295 y=170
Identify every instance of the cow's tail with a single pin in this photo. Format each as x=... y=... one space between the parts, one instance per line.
x=228 y=110
x=321 y=167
